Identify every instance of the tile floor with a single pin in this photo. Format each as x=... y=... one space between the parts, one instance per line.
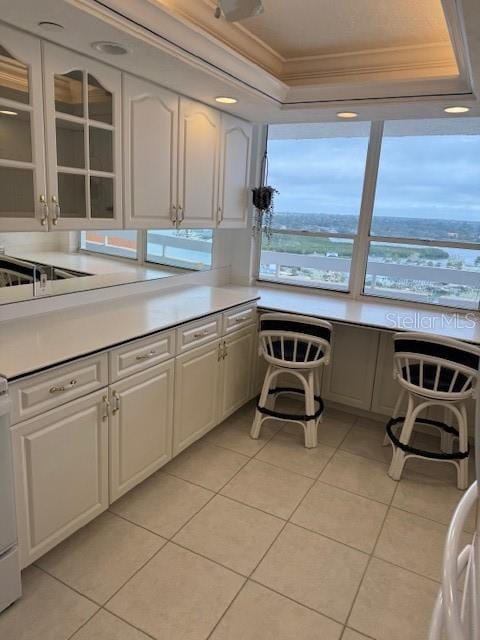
x=239 y=539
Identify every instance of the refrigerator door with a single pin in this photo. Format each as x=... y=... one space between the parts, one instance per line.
x=7 y=505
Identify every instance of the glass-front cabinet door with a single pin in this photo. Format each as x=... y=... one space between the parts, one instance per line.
x=23 y=196
x=83 y=125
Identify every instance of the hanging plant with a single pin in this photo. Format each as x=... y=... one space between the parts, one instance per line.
x=263 y=203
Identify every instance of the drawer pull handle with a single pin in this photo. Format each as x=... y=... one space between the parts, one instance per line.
x=242 y=319
x=219 y=352
x=146 y=356
x=201 y=334
x=72 y=383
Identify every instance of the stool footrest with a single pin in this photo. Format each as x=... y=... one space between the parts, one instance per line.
x=458 y=455
x=291 y=416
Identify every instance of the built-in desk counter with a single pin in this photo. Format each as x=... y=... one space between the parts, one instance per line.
x=360 y=375
x=383 y=315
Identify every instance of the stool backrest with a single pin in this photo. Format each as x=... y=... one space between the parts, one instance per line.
x=441 y=366
x=295 y=341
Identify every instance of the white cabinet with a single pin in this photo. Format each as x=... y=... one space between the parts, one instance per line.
x=141 y=423
x=150 y=140
x=61 y=472
x=235 y=156
x=349 y=377
x=22 y=149
x=197 y=376
x=83 y=129
x=236 y=378
x=199 y=134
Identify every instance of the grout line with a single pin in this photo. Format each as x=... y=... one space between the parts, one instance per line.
x=84 y=624
x=69 y=586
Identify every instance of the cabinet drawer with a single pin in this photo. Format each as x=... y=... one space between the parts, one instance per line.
x=38 y=393
x=199 y=332
x=239 y=317
x=141 y=354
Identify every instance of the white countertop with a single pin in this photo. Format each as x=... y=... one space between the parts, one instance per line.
x=386 y=315
x=33 y=343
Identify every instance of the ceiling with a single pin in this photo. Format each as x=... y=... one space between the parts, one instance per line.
x=338 y=62
x=318 y=27
x=319 y=40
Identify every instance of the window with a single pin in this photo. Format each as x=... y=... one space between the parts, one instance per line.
x=318 y=170
x=183 y=248
x=420 y=221
x=121 y=244
x=424 y=243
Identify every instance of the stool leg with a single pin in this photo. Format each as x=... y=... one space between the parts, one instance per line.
x=310 y=425
x=257 y=421
x=316 y=374
x=396 y=414
x=398 y=458
x=446 y=439
x=462 y=469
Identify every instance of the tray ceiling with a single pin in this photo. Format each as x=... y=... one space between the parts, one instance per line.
x=323 y=41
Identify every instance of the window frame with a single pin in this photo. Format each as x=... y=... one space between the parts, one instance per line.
x=362 y=239
x=141 y=259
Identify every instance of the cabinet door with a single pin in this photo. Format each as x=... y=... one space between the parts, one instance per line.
x=386 y=389
x=235 y=153
x=199 y=128
x=61 y=473
x=140 y=427
x=349 y=377
x=22 y=149
x=83 y=125
x=150 y=154
x=196 y=388
x=237 y=374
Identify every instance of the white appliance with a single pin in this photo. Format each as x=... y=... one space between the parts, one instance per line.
x=10 y=585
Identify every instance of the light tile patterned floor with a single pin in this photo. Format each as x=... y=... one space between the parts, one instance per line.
x=264 y=540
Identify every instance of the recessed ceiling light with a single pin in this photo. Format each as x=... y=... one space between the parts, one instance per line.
x=226 y=100
x=112 y=48
x=347 y=114
x=456 y=109
x=51 y=26
x=7 y=112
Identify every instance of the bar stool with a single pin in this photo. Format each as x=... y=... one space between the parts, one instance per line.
x=433 y=371
x=297 y=346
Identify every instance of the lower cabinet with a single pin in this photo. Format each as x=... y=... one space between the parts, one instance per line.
x=386 y=389
x=61 y=472
x=238 y=370
x=197 y=375
x=141 y=426
x=349 y=377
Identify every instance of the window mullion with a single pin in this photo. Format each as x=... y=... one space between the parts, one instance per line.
x=361 y=243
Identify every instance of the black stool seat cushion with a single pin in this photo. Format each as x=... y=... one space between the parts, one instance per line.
x=429 y=374
x=288 y=349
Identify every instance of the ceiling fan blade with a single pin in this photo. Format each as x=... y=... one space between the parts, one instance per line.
x=235 y=10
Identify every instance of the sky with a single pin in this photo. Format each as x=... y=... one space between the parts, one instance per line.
x=419 y=177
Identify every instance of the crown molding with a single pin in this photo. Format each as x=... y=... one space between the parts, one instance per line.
x=393 y=63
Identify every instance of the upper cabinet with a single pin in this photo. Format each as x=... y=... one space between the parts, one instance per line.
x=23 y=203
x=235 y=156
x=83 y=131
x=198 y=137
x=150 y=144
x=63 y=120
